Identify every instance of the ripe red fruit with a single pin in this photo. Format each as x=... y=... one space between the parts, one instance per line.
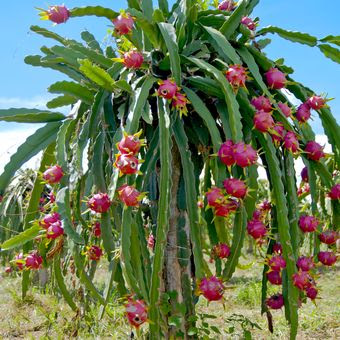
x=94 y=253
x=303 y=113
x=279 y=134
x=237 y=76
x=304 y=174
x=265 y=205
x=133 y=59
x=53 y=174
x=257 y=215
x=312 y=292
x=33 y=260
x=285 y=109
x=302 y=280
x=263 y=121
x=329 y=237
x=167 y=89
x=262 y=103
x=8 y=270
x=235 y=187
x=49 y=219
x=291 y=142
x=305 y=263
x=211 y=288
x=51 y=197
x=179 y=102
x=256 y=229
x=274 y=277
x=221 y=251
x=19 y=261
x=123 y=24
x=277 y=263
x=136 y=312
x=96 y=229
x=151 y=242
x=249 y=23
x=130 y=144
x=316 y=102
x=244 y=154
x=334 y=194
x=275 y=302
x=308 y=224
x=275 y=78
x=314 y=151
x=99 y=203
x=126 y=163
x=214 y=197
x=57 y=14
x=225 y=153
x=55 y=230
x=327 y=258
x=129 y=195
x=227 y=5
x=277 y=248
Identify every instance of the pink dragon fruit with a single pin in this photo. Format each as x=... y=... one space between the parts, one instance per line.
x=227 y=5
x=263 y=121
x=51 y=197
x=49 y=219
x=8 y=270
x=235 y=187
x=305 y=263
x=211 y=288
x=316 y=102
x=314 y=151
x=329 y=237
x=57 y=14
x=151 y=242
x=55 y=230
x=19 y=261
x=311 y=292
x=275 y=78
x=179 y=102
x=53 y=174
x=303 y=113
x=276 y=263
x=302 y=280
x=249 y=23
x=279 y=134
x=244 y=154
x=130 y=144
x=133 y=59
x=275 y=302
x=262 y=103
x=214 y=197
x=258 y=215
x=285 y=109
x=97 y=230
x=33 y=260
x=126 y=163
x=129 y=195
x=221 y=251
x=277 y=248
x=226 y=207
x=136 y=312
x=291 y=142
x=167 y=89
x=308 y=224
x=334 y=193
x=304 y=174
x=265 y=205
x=225 y=153
x=99 y=203
x=327 y=258
x=94 y=253
x=237 y=76
x=123 y=24
x=256 y=229
x=274 y=277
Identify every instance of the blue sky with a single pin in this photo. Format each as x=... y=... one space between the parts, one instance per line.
x=23 y=85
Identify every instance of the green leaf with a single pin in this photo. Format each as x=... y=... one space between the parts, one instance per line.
x=169 y=34
x=48 y=34
x=30 y=116
x=61 y=101
x=223 y=45
x=91 y=41
x=98 y=11
x=72 y=89
x=22 y=238
x=302 y=38
x=164 y=6
x=330 y=52
x=332 y=39
x=147 y=9
x=231 y=24
x=33 y=144
x=206 y=85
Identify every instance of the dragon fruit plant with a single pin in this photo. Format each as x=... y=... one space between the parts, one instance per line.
x=176 y=120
